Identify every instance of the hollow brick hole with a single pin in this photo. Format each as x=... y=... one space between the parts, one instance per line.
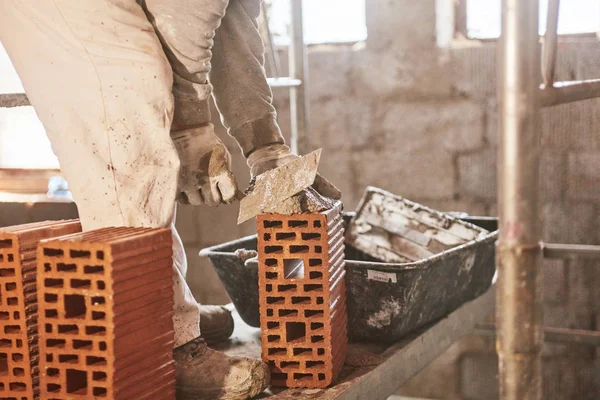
x=79 y=254
x=292 y=364
x=301 y=300
x=299 y=249
x=285 y=236
x=271 y=262
x=288 y=313
x=93 y=269
x=3 y=364
x=293 y=268
x=313 y=313
x=315 y=262
x=273 y=224
x=7 y=272
x=76 y=381
x=312 y=364
x=303 y=377
x=74 y=306
x=315 y=275
x=53 y=252
x=17 y=386
x=62 y=267
x=273 y=249
x=311 y=236
x=295 y=331
x=297 y=223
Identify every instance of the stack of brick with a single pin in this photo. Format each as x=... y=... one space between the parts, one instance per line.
x=18 y=305
x=106 y=309
x=302 y=294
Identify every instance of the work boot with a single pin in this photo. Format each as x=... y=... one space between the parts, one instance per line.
x=205 y=374
x=216 y=324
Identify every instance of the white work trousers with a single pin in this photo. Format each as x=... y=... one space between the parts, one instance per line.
x=98 y=77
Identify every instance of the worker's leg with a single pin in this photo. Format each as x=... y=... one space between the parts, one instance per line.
x=242 y=94
x=100 y=83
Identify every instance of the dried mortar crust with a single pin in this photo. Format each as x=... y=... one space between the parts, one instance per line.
x=302 y=295
x=106 y=315
x=18 y=305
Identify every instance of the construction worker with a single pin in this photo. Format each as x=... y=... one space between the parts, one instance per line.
x=122 y=89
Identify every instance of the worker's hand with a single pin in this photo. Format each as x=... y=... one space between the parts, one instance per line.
x=275 y=155
x=205 y=176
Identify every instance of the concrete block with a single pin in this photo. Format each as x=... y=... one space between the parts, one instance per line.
x=553 y=175
x=555 y=284
x=474 y=70
x=568 y=223
x=408 y=75
x=571 y=126
x=339 y=166
x=418 y=173
x=393 y=24
x=492 y=122
x=477 y=174
x=583 y=176
x=342 y=123
x=329 y=72
x=381 y=74
x=456 y=125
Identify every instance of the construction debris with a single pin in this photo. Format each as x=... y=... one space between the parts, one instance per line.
x=394 y=229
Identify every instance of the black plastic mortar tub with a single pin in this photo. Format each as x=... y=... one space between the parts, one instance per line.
x=385 y=300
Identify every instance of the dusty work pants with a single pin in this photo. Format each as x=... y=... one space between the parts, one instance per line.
x=97 y=75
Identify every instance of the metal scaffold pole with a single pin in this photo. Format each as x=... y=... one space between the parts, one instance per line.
x=519 y=305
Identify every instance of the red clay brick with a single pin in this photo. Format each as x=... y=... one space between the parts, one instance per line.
x=18 y=305
x=106 y=309
x=302 y=294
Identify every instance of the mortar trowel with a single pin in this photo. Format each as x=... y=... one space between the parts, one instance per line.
x=273 y=187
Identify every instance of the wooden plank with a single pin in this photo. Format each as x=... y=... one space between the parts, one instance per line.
x=376 y=371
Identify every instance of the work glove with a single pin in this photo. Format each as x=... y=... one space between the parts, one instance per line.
x=272 y=156
x=205 y=175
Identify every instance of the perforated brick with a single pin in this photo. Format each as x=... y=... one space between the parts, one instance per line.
x=18 y=305
x=302 y=295
x=106 y=309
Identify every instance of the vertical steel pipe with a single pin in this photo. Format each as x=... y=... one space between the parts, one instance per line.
x=518 y=305
x=550 y=43
x=299 y=106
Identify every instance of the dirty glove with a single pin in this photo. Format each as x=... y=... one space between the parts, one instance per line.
x=275 y=155
x=205 y=176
